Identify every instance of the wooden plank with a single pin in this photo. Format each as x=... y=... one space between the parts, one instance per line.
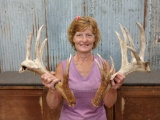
x=26 y=103
x=19 y=104
x=137 y=103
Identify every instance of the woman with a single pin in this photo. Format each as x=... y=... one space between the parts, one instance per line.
x=84 y=75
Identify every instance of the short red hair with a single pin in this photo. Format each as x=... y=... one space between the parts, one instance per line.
x=80 y=24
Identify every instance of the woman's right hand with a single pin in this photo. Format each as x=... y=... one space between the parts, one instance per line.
x=49 y=80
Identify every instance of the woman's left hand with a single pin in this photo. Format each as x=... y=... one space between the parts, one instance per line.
x=117 y=81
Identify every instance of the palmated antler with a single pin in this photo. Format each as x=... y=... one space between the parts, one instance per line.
x=37 y=66
x=137 y=62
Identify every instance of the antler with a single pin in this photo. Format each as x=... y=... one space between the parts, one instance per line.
x=105 y=84
x=38 y=67
x=137 y=62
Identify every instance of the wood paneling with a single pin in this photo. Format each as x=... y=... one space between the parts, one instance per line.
x=21 y=104
x=138 y=103
x=25 y=103
x=29 y=103
x=50 y=114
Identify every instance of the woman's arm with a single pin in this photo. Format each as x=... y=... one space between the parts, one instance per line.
x=53 y=98
x=111 y=96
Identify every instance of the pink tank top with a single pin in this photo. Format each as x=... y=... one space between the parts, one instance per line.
x=84 y=90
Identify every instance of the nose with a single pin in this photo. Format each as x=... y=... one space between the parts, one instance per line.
x=84 y=39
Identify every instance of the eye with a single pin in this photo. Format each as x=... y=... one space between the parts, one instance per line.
x=79 y=35
x=89 y=35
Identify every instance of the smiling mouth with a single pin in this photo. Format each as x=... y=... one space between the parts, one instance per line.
x=84 y=45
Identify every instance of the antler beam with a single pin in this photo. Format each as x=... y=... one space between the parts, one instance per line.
x=37 y=66
x=137 y=62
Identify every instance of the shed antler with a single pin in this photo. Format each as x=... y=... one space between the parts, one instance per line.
x=38 y=67
x=137 y=62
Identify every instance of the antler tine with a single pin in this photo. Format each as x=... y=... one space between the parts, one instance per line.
x=111 y=73
x=142 y=41
x=99 y=66
x=28 y=46
x=112 y=69
x=68 y=62
x=112 y=62
x=42 y=49
x=135 y=54
x=124 y=46
x=104 y=65
x=123 y=50
x=131 y=44
x=38 y=42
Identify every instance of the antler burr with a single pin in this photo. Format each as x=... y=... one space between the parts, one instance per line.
x=137 y=62
x=37 y=66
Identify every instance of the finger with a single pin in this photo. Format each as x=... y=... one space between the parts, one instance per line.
x=120 y=75
x=54 y=83
x=44 y=76
x=119 y=78
x=116 y=78
x=53 y=73
x=51 y=83
x=114 y=86
x=57 y=82
x=113 y=82
x=49 y=80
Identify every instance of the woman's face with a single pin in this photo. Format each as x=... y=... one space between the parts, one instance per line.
x=84 y=41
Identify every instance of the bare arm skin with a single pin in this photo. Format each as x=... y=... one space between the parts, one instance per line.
x=111 y=96
x=53 y=98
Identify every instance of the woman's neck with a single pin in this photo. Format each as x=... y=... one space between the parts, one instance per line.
x=83 y=57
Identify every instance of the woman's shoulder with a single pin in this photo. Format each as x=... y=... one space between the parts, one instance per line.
x=64 y=62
